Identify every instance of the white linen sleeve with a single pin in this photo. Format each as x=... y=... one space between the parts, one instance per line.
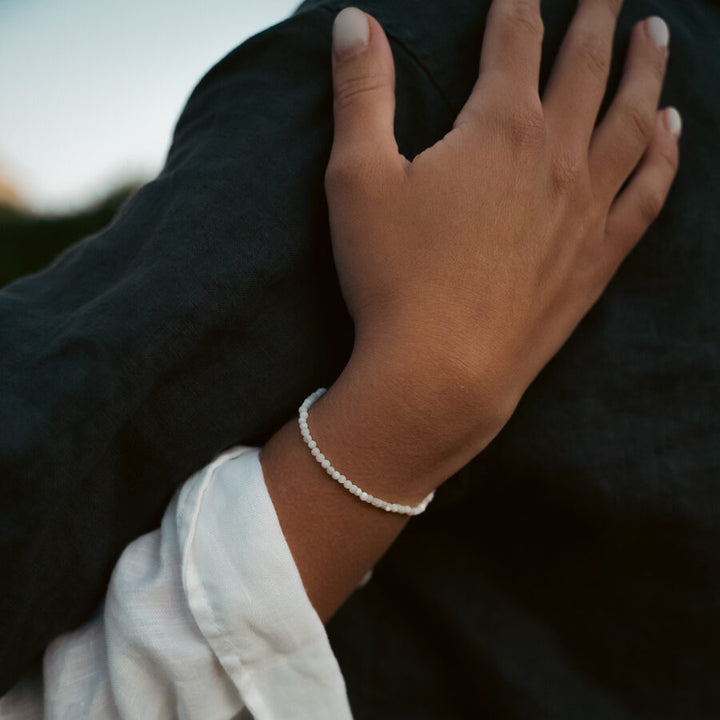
x=205 y=618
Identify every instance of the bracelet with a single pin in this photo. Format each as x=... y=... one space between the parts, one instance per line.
x=342 y=480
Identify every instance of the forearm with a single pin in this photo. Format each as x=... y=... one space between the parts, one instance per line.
x=334 y=537
x=383 y=433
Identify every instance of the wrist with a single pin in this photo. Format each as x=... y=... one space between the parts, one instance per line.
x=412 y=424
x=390 y=436
x=446 y=371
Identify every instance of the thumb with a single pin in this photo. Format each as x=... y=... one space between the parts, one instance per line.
x=363 y=85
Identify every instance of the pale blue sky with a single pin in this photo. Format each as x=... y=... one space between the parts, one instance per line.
x=90 y=89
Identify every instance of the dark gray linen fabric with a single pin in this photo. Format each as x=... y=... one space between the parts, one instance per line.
x=572 y=570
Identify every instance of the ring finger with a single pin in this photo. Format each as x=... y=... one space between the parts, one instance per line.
x=627 y=128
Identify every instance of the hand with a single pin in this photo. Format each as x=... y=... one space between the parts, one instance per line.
x=467 y=269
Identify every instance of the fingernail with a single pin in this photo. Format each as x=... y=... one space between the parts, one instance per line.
x=673 y=122
x=350 y=30
x=658 y=31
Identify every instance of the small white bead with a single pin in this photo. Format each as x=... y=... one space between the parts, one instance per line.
x=354 y=489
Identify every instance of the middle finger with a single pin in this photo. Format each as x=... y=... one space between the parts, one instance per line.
x=579 y=77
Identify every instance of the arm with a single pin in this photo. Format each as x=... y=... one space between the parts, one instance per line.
x=206 y=617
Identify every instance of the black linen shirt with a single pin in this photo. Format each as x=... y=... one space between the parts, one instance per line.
x=571 y=571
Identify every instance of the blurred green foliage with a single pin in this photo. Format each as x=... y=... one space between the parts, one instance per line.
x=30 y=242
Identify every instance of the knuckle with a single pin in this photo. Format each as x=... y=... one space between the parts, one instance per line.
x=343 y=172
x=523 y=16
x=566 y=172
x=352 y=87
x=525 y=126
x=657 y=68
x=650 y=204
x=352 y=168
x=594 y=54
x=671 y=160
x=639 y=121
x=614 y=6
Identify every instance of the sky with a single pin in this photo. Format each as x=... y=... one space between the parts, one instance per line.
x=90 y=90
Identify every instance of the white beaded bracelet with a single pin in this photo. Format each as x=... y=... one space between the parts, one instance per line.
x=336 y=475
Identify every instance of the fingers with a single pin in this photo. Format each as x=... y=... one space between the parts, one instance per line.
x=511 y=53
x=623 y=136
x=642 y=200
x=363 y=88
x=578 y=81
x=512 y=44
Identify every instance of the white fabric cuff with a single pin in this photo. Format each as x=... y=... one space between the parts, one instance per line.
x=247 y=597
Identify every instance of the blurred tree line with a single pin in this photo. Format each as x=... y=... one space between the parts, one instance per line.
x=30 y=242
